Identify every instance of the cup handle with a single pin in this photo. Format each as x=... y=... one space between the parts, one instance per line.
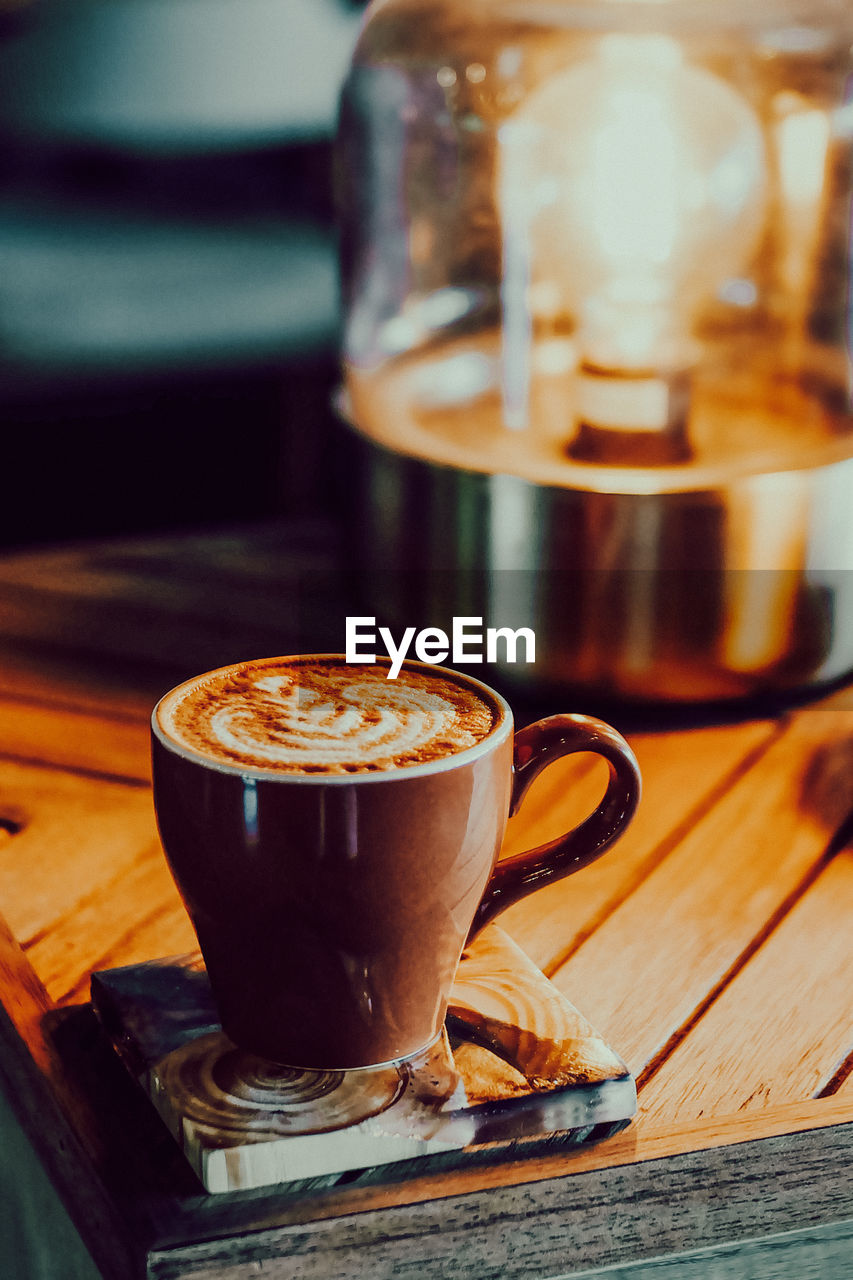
x=535 y=748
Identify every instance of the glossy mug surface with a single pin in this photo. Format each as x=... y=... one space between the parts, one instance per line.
x=334 y=835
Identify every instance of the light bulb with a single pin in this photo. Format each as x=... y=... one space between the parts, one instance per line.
x=632 y=185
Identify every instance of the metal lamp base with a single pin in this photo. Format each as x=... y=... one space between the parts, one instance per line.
x=725 y=590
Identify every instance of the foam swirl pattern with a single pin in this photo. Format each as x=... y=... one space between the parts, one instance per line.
x=322 y=716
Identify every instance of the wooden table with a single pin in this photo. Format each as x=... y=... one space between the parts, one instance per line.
x=712 y=947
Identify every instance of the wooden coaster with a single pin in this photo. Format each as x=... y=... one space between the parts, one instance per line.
x=516 y=1061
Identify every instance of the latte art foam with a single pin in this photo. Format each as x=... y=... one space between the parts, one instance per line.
x=321 y=716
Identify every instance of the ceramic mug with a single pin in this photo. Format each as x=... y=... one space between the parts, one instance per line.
x=332 y=905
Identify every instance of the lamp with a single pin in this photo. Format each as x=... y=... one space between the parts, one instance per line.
x=633 y=184
x=596 y=263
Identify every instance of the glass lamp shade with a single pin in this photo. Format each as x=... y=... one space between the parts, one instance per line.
x=597 y=279
x=618 y=229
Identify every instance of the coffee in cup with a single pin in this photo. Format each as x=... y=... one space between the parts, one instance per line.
x=335 y=836
x=322 y=716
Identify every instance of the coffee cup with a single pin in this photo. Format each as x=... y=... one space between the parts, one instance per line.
x=335 y=835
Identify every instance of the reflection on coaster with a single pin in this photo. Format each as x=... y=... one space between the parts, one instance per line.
x=516 y=1061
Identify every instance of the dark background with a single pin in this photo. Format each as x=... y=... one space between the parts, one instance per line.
x=169 y=319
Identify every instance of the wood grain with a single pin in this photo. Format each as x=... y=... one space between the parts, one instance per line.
x=650 y=966
x=781 y=1028
x=565 y=1224
x=242 y=1122
x=502 y=1000
x=146 y=919
x=84 y=880
x=815 y=1253
x=683 y=775
x=112 y=746
x=210 y=1219
x=76 y=832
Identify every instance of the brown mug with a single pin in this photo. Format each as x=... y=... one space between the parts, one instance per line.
x=332 y=908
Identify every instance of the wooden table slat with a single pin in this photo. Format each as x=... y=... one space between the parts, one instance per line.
x=76 y=834
x=147 y=921
x=76 y=739
x=565 y=1224
x=648 y=968
x=681 y=777
x=778 y=1032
